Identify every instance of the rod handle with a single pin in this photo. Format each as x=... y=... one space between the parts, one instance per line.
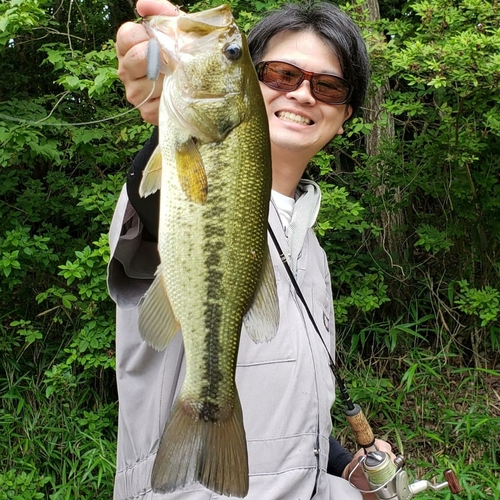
x=361 y=428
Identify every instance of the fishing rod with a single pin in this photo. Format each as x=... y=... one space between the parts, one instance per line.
x=387 y=478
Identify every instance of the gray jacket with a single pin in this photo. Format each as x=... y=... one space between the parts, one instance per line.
x=285 y=386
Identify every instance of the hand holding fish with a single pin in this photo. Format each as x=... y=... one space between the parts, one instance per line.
x=219 y=126
x=131 y=47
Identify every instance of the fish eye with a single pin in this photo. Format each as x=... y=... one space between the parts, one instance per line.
x=232 y=51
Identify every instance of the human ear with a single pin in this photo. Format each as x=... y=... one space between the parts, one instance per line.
x=347 y=115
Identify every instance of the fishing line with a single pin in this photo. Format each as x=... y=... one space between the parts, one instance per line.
x=153 y=56
x=66 y=124
x=382 y=475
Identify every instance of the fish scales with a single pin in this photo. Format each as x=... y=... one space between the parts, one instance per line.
x=225 y=296
x=215 y=274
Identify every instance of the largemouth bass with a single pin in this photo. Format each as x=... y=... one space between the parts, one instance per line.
x=214 y=176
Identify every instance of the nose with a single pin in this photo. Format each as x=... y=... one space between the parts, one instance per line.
x=302 y=93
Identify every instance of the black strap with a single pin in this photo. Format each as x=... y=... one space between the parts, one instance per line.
x=343 y=391
x=297 y=289
x=338 y=456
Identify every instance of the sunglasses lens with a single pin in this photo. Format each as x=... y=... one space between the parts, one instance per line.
x=330 y=89
x=287 y=77
x=281 y=76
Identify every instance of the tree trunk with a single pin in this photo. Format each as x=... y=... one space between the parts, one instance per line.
x=391 y=239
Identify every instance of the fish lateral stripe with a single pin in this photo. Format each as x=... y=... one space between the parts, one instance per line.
x=213 y=313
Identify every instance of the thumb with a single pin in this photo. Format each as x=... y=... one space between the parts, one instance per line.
x=156 y=7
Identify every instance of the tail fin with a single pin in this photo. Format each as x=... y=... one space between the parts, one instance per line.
x=212 y=453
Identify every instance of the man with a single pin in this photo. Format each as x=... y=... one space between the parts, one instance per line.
x=286 y=386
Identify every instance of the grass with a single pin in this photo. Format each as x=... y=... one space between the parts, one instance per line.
x=428 y=400
x=434 y=410
x=53 y=447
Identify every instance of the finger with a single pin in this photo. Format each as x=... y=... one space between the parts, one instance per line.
x=139 y=94
x=139 y=90
x=383 y=445
x=155 y=8
x=358 y=479
x=129 y=35
x=133 y=65
x=149 y=111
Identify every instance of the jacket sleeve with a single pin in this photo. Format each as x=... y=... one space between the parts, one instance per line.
x=148 y=209
x=338 y=458
x=133 y=237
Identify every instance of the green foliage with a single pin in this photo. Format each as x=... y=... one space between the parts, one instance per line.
x=356 y=279
x=451 y=68
x=59 y=184
x=483 y=304
x=91 y=71
x=439 y=172
x=432 y=239
x=21 y=486
x=420 y=328
x=435 y=413
x=74 y=448
x=20 y=15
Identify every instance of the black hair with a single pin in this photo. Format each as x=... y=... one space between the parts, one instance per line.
x=330 y=24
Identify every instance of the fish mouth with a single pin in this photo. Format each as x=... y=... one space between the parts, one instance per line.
x=206 y=21
x=288 y=116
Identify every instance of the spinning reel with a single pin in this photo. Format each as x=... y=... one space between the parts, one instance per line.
x=387 y=478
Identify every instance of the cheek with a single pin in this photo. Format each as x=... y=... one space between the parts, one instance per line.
x=268 y=94
x=336 y=118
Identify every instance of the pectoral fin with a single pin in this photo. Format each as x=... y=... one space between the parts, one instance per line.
x=191 y=172
x=262 y=319
x=157 y=323
x=151 y=176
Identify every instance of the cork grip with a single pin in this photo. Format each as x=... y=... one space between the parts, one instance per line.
x=361 y=428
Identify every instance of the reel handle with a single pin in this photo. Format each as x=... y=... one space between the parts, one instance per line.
x=452 y=481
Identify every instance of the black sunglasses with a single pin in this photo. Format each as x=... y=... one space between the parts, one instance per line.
x=286 y=77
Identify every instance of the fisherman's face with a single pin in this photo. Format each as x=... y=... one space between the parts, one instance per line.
x=297 y=120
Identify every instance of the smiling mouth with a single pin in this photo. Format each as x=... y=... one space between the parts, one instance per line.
x=292 y=117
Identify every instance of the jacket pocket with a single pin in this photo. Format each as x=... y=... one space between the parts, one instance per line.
x=322 y=311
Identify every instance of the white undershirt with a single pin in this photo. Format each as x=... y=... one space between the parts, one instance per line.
x=284 y=205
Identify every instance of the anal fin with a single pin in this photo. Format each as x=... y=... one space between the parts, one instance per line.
x=157 y=323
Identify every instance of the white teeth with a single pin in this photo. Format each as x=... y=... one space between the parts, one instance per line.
x=292 y=117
